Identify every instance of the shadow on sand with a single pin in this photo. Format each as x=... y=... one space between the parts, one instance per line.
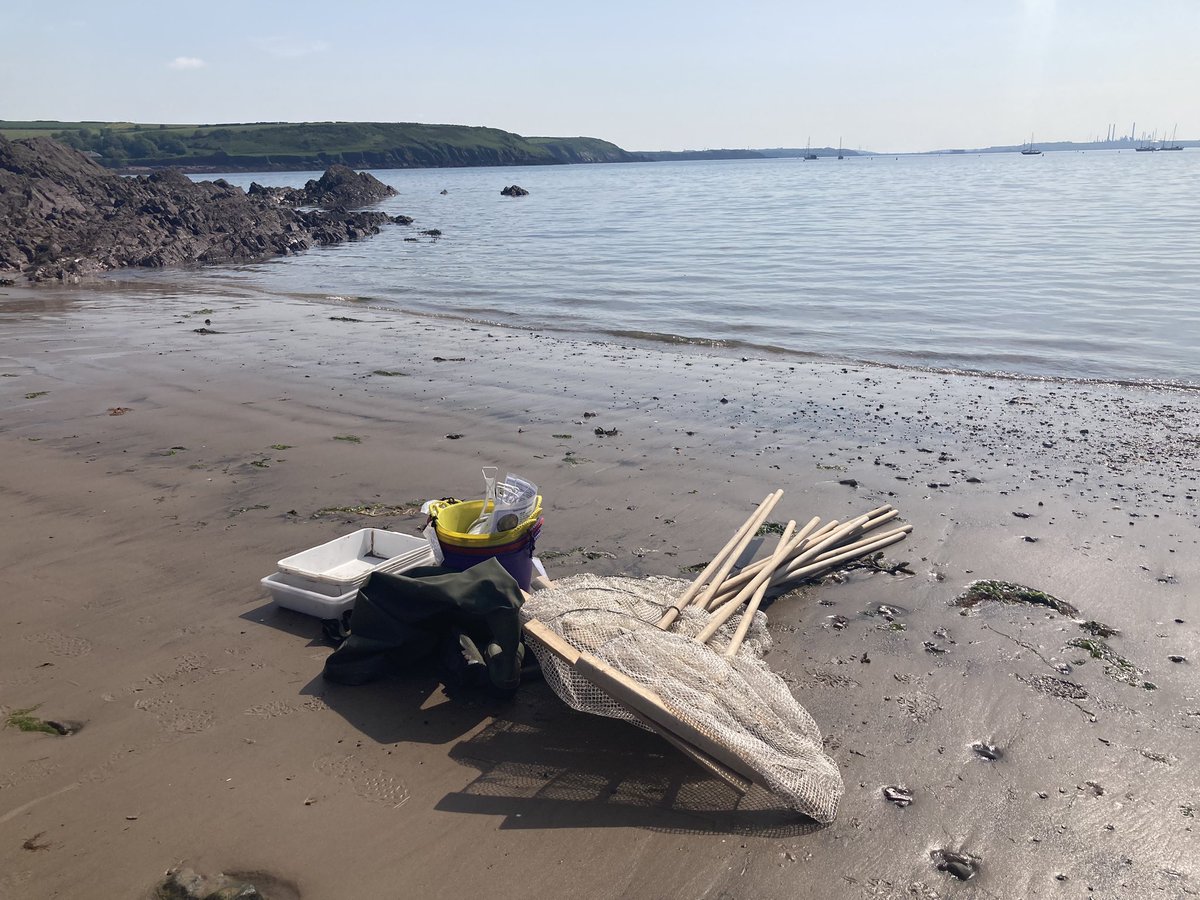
x=541 y=765
x=546 y=766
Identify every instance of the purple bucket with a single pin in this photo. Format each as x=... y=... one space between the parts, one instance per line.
x=516 y=556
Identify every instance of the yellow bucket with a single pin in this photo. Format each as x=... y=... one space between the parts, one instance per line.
x=460 y=551
x=452 y=519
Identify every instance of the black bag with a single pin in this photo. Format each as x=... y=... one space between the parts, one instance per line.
x=467 y=618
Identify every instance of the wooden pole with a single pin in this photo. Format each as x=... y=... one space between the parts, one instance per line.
x=828 y=562
x=836 y=536
x=718 y=578
x=721 y=616
x=726 y=553
x=759 y=592
x=731 y=585
x=780 y=575
x=642 y=700
x=561 y=648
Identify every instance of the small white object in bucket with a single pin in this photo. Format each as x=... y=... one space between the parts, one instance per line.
x=515 y=502
x=436 y=548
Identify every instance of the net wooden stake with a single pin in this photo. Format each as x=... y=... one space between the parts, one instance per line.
x=561 y=648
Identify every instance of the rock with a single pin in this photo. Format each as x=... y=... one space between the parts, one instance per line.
x=514 y=190
x=342 y=187
x=186 y=884
x=963 y=866
x=987 y=751
x=64 y=217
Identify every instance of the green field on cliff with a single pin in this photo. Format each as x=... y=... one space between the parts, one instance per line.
x=313 y=145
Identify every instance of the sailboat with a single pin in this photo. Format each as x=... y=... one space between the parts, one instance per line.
x=808 y=154
x=1173 y=146
x=1147 y=146
x=840 y=154
x=1030 y=150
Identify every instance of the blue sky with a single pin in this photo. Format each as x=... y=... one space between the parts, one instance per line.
x=918 y=75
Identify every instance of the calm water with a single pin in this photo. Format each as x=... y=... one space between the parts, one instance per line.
x=1067 y=264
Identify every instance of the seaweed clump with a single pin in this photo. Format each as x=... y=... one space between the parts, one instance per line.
x=1115 y=666
x=24 y=720
x=1009 y=592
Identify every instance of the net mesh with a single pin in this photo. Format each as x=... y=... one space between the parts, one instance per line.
x=738 y=702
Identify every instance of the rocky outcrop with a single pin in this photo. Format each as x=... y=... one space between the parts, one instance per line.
x=62 y=216
x=514 y=190
x=339 y=188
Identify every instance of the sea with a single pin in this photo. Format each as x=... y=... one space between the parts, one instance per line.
x=1065 y=265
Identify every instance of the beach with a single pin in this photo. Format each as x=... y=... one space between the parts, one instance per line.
x=152 y=474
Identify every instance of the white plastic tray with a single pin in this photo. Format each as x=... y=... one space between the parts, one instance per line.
x=308 y=602
x=348 y=561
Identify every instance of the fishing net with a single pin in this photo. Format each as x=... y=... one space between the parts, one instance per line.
x=738 y=702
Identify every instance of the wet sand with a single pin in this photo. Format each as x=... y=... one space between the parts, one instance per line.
x=133 y=545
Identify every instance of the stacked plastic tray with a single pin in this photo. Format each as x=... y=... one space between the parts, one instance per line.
x=324 y=580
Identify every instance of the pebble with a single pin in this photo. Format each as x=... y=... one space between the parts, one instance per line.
x=987 y=751
x=962 y=866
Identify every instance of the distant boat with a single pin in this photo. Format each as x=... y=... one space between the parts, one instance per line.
x=1029 y=149
x=840 y=154
x=808 y=154
x=1173 y=146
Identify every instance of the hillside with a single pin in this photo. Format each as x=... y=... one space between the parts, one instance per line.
x=282 y=146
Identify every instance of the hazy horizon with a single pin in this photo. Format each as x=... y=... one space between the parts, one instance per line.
x=670 y=76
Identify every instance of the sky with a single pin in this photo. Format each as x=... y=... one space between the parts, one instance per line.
x=875 y=74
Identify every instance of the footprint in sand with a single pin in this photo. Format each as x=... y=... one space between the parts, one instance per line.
x=39 y=768
x=188 y=669
x=60 y=644
x=11 y=881
x=920 y=706
x=176 y=718
x=366 y=781
x=272 y=709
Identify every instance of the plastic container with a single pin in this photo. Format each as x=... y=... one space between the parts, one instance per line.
x=346 y=562
x=323 y=606
x=453 y=520
x=513 y=548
